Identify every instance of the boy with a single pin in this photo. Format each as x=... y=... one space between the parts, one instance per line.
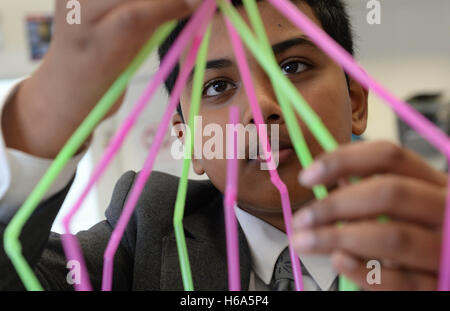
x=404 y=188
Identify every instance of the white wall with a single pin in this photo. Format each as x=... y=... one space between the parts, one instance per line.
x=408 y=52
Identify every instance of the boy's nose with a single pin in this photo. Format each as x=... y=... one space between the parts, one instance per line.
x=271 y=112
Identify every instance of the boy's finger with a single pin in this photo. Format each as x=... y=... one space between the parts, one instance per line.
x=405 y=244
x=146 y=15
x=391 y=195
x=94 y=10
x=90 y=10
x=368 y=158
x=372 y=277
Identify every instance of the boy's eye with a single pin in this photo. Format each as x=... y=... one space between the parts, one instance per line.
x=217 y=87
x=293 y=66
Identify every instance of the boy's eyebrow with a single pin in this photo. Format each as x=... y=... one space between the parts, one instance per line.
x=213 y=64
x=287 y=44
x=219 y=63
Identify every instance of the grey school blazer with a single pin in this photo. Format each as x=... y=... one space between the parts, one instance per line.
x=147 y=258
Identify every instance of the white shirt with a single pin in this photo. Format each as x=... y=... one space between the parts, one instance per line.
x=20 y=172
x=266 y=244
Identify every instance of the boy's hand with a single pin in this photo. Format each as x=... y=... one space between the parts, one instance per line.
x=82 y=62
x=396 y=183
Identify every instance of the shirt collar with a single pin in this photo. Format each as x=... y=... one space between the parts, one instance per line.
x=266 y=244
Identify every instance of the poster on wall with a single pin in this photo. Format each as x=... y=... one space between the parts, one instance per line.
x=40 y=28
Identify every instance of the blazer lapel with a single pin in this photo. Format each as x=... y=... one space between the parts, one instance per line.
x=206 y=245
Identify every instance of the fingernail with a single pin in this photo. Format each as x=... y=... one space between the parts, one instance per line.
x=344 y=261
x=304 y=241
x=304 y=219
x=312 y=175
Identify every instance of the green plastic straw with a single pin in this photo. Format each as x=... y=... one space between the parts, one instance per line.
x=311 y=119
x=283 y=86
x=295 y=132
x=300 y=146
x=12 y=245
x=345 y=285
x=294 y=129
x=196 y=97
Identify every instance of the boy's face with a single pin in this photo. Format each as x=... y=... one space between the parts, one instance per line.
x=321 y=82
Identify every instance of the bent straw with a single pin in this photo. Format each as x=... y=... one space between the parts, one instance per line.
x=148 y=165
x=12 y=232
x=189 y=143
x=408 y=114
x=294 y=130
x=234 y=276
x=317 y=128
x=418 y=122
x=70 y=244
x=262 y=133
x=72 y=248
x=300 y=146
x=308 y=115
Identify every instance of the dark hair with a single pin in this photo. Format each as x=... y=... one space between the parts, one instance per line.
x=332 y=15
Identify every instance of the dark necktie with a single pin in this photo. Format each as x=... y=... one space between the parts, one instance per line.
x=283 y=279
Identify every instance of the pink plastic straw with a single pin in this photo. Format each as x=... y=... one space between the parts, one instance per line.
x=264 y=140
x=71 y=248
x=408 y=114
x=148 y=165
x=414 y=119
x=72 y=251
x=234 y=275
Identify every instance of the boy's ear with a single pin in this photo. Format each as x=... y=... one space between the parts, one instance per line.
x=359 y=97
x=178 y=124
x=197 y=166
